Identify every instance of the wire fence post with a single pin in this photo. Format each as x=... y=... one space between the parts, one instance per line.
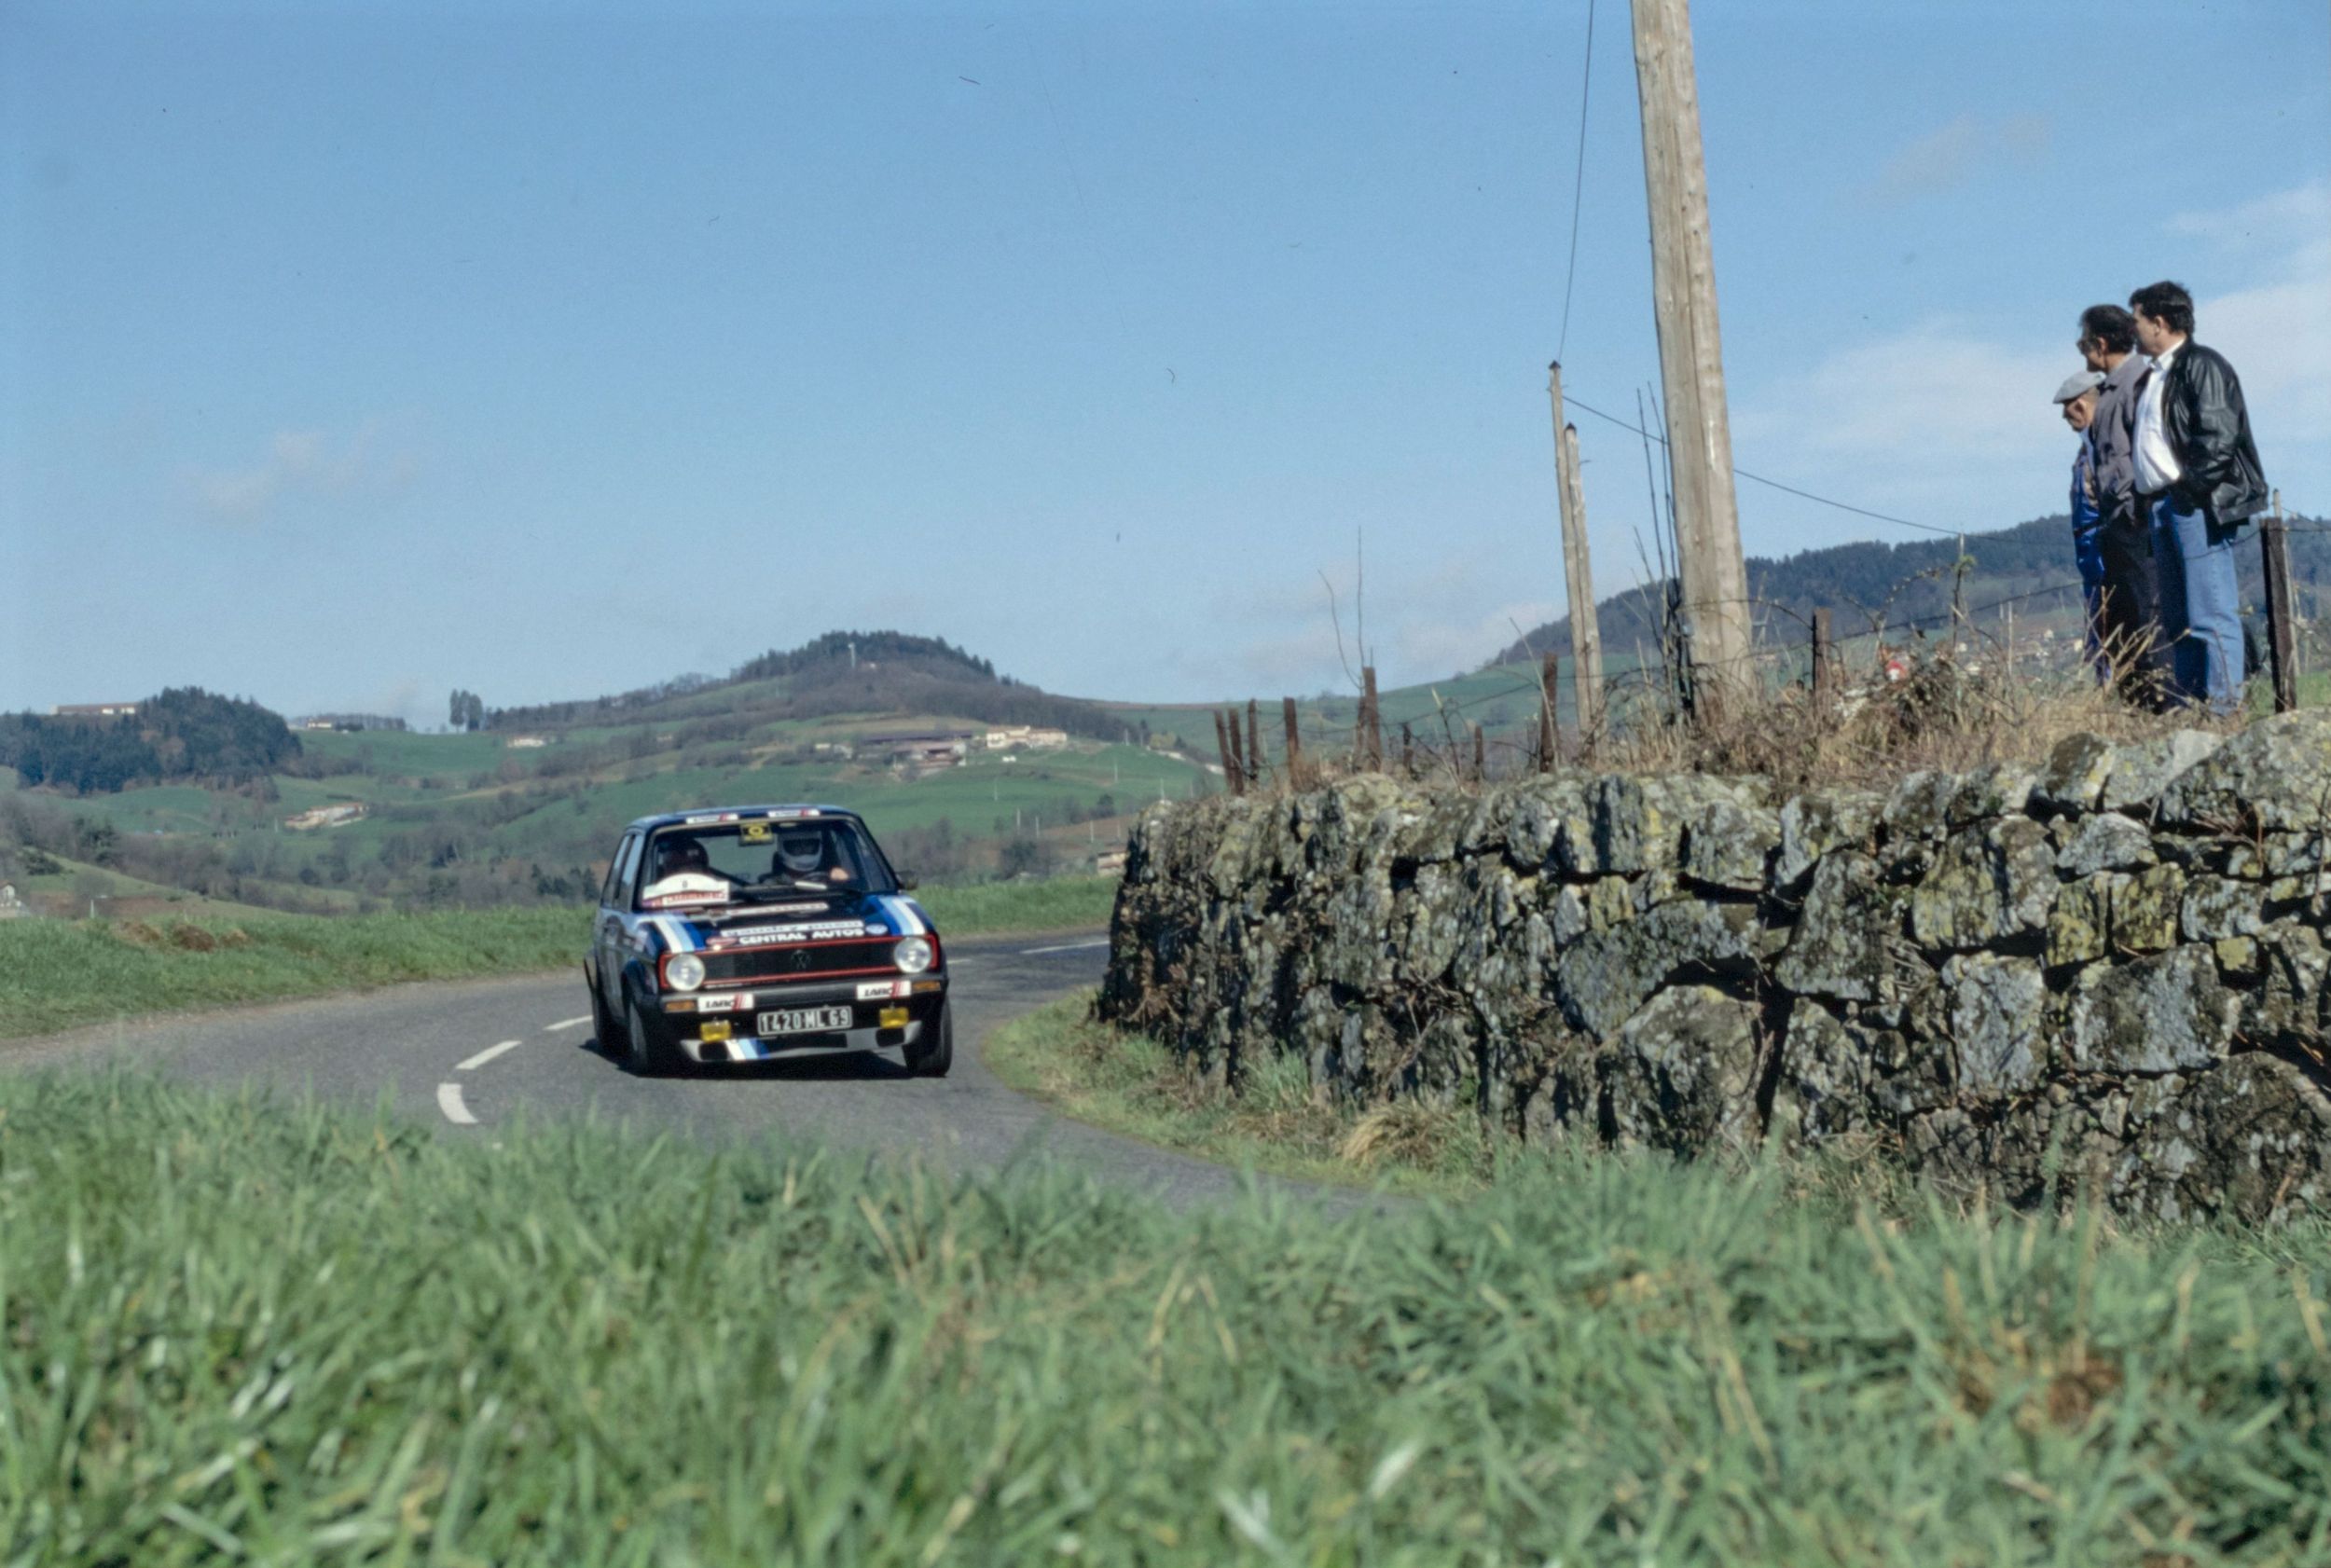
x=1824 y=675
x=1548 y=668
x=1408 y=753
x=2274 y=545
x=1254 y=744
x=1480 y=755
x=1238 y=755
x=1222 y=744
x=1371 y=723
x=1294 y=745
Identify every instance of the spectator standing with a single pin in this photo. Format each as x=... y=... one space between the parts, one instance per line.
x=2128 y=620
x=2076 y=400
x=2198 y=479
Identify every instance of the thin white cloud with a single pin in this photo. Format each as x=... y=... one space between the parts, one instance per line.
x=1952 y=156
x=300 y=464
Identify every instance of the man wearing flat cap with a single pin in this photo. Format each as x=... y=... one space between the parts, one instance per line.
x=2077 y=398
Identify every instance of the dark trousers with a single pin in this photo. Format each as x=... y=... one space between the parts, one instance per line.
x=2128 y=620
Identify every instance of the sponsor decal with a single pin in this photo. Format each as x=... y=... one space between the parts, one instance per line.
x=880 y=990
x=736 y=1001
x=769 y=936
x=813 y=908
x=685 y=900
x=755 y=832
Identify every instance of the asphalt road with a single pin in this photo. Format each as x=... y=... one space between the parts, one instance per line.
x=468 y=1055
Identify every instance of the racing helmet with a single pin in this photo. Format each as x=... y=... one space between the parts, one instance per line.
x=800 y=852
x=676 y=855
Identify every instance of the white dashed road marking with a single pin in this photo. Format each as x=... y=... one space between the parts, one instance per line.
x=485 y=1056
x=566 y=1024
x=449 y=1102
x=1064 y=948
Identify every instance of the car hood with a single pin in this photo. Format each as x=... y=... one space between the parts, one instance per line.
x=813 y=917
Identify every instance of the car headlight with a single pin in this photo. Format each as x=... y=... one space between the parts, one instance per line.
x=912 y=953
x=684 y=971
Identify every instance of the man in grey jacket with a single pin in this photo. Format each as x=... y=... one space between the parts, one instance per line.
x=2129 y=618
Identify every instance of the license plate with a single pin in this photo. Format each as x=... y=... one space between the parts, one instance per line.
x=804 y=1021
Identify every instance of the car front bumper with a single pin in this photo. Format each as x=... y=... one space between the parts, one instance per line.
x=686 y=1023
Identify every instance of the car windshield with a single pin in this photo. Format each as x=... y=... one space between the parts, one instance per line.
x=759 y=860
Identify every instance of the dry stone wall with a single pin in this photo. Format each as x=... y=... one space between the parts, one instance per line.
x=2106 y=970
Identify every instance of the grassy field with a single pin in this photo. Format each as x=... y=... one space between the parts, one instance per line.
x=242 y=1330
x=1134 y=1085
x=56 y=974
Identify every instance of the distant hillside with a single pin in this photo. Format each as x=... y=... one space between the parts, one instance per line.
x=874 y=673
x=1890 y=583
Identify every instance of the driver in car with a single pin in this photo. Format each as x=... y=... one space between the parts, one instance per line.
x=809 y=856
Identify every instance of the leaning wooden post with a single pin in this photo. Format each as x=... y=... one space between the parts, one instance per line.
x=1823 y=674
x=1222 y=744
x=1481 y=756
x=2274 y=545
x=1370 y=722
x=1294 y=745
x=1237 y=754
x=1578 y=572
x=1548 y=669
x=1254 y=744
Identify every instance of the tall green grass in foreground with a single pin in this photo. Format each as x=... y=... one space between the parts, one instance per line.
x=233 y=1328
x=55 y=974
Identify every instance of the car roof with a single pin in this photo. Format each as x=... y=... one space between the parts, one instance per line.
x=706 y=816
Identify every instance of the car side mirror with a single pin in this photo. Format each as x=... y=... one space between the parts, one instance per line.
x=908 y=882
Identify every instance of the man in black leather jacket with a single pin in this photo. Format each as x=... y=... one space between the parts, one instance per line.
x=2198 y=479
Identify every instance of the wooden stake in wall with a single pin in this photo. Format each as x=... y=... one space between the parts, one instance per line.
x=1824 y=672
x=1237 y=756
x=1714 y=579
x=1549 y=667
x=1254 y=744
x=1294 y=745
x=1371 y=723
x=1480 y=755
x=1222 y=744
x=2274 y=545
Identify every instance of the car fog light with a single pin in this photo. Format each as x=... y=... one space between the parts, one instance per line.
x=913 y=954
x=685 y=972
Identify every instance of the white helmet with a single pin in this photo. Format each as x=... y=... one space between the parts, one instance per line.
x=801 y=853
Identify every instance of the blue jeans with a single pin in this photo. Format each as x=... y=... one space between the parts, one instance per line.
x=2201 y=606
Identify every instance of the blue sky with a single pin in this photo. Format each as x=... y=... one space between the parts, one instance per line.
x=350 y=353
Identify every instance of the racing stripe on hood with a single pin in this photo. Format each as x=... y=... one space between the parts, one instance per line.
x=680 y=936
x=902 y=916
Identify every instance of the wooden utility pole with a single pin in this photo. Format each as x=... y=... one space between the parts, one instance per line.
x=2274 y=545
x=1577 y=575
x=1714 y=580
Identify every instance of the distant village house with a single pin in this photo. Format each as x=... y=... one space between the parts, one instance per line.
x=1025 y=736
x=94 y=710
x=928 y=748
x=326 y=815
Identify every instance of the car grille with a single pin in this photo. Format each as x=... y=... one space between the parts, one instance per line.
x=802 y=961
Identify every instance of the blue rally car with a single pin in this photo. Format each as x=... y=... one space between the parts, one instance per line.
x=740 y=934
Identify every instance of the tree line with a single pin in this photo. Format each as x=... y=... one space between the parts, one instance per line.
x=186 y=735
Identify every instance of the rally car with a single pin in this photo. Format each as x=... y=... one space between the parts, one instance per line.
x=746 y=933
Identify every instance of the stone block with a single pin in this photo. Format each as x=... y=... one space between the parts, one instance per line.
x=2073 y=778
x=1989 y=883
x=2170 y=1014
x=1813 y=824
x=1726 y=845
x=2276 y=774
x=2217 y=906
x=1849 y=933
x=1682 y=1074
x=1997 y=1008
x=2110 y=842
x=2142 y=770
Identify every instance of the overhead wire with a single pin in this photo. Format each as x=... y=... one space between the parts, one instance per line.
x=1578 y=185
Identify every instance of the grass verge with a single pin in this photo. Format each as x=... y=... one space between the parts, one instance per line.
x=237 y=1329
x=1060 y=903
x=1129 y=1083
x=56 y=974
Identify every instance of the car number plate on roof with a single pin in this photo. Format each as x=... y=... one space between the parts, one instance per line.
x=804 y=1021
